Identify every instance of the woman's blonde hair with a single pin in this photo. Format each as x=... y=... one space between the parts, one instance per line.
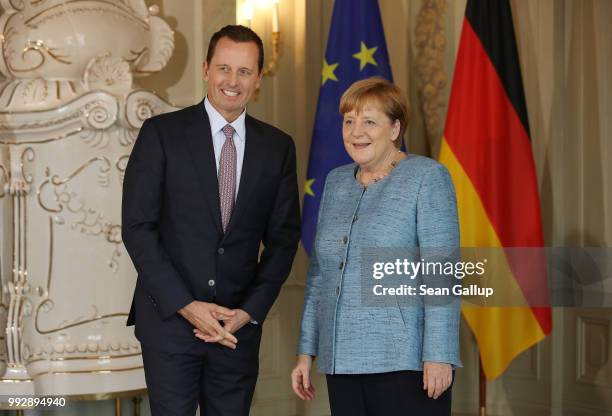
x=382 y=93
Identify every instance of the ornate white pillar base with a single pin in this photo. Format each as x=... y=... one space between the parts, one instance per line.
x=69 y=115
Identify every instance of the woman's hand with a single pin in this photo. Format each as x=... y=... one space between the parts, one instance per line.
x=437 y=377
x=300 y=378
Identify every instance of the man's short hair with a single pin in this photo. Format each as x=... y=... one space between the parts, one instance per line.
x=237 y=33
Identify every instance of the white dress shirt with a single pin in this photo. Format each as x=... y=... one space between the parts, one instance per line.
x=217 y=122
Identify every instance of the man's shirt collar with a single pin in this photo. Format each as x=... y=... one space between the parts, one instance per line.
x=217 y=121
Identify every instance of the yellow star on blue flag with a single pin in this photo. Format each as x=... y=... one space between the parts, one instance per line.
x=308 y=187
x=365 y=56
x=355 y=32
x=328 y=72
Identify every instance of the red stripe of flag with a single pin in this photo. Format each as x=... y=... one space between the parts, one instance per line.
x=498 y=159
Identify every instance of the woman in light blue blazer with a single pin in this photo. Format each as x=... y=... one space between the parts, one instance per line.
x=379 y=361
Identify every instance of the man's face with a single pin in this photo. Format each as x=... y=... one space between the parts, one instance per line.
x=233 y=76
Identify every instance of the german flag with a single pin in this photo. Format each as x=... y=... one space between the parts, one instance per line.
x=487 y=149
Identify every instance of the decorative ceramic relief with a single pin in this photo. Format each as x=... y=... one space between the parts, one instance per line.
x=69 y=115
x=430 y=43
x=55 y=50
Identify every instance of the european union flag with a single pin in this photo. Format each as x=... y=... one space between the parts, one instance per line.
x=356 y=50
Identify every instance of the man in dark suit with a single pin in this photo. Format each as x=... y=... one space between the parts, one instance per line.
x=204 y=188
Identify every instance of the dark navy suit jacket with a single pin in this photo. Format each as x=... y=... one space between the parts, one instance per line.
x=172 y=224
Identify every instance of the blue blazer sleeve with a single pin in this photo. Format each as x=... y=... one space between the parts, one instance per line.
x=438 y=227
x=309 y=332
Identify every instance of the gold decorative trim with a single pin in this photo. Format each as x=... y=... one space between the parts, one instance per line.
x=97 y=115
x=55 y=178
x=126 y=12
x=65 y=373
x=84 y=357
x=90 y=221
x=40 y=47
x=10 y=100
x=72 y=325
x=108 y=396
x=52 y=139
x=18 y=288
x=6 y=85
x=40 y=202
x=4 y=70
x=63 y=198
x=37 y=46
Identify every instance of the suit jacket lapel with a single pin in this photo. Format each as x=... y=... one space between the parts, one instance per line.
x=202 y=154
x=254 y=159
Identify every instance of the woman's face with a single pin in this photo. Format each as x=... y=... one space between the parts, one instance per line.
x=369 y=136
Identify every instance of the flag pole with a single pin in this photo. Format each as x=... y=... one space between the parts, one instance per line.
x=482 y=389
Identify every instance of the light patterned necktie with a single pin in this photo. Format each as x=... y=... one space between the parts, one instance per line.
x=227 y=176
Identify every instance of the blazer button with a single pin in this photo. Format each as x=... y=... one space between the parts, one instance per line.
x=337 y=290
x=345 y=239
x=341 y=265
x=211 y=282
x=220 y=250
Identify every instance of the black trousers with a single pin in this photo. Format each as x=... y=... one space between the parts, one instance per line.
x=220 y=380
x=385 y=394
